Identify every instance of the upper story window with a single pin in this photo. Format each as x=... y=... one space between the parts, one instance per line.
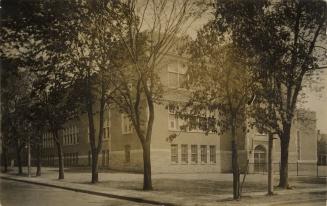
x=203 y=122
x=175 y=123
x=126 y=124
x=106 y=129
x=71 y=135
x=48 y=141
x=176 y=75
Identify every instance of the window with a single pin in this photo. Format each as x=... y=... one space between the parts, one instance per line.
x=70 y=135
x=174 y=123
x=176 y=75
x=205 y=121
x=106 y=129
x=127 y=153
x=174 y=153
x=212 y=154
x=172 y=118
x=193 y=124
x=126 y=124
x=194 y=153
x=203 y=153
x=323 y=159
x=48 y=141
x=260 y=155
x=184 y=153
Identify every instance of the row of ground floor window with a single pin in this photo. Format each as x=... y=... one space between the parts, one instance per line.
x=72 y=159
x=180 y=153
x=198 y=154
x=195 y=150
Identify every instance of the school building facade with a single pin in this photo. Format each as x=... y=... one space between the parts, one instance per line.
x=192 y=151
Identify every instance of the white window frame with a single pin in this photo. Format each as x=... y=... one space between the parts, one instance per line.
x=184 y=154
x=194 y=153
x=212 y=154
x=125 y=121
x=178 y=122
x=174 y=155
x=171 y=68
x=106 y=127
x=204 y=153
x=172 y=119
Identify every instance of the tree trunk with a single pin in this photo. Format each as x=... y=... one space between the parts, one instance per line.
x=95 y=170
x=147 y=180
x=4 y=159
x=38 y=160
x=19 y=159
x=284 y=145
x=270 y=165
x=60 y=161
x=96 y=149
x=236 y=172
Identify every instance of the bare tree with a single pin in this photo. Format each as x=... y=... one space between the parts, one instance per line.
x=152 y=28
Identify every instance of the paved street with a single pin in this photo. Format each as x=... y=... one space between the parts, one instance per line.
x=307 y=203
x=14 y=193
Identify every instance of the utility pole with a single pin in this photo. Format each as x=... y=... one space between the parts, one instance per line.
x=270 y=165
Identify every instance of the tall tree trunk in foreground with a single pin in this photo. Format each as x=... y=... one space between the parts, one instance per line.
x=38 y=160
x=61 y=174
x=19 y=159
x=284 y=145
x=270 y=164
x=235 y=164
x=236 y=172
x=147 y=180
x=95 y=148
x=4 y=160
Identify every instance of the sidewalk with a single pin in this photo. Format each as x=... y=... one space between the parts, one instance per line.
x=170 y=189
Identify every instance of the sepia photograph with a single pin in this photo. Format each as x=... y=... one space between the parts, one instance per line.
x=163 y=102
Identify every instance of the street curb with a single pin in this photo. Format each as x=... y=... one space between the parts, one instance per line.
x=145 y=200
x=103 y=194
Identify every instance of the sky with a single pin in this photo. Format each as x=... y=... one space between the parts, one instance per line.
x=317 y=101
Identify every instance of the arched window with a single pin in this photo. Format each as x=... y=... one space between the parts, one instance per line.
x=260 y=159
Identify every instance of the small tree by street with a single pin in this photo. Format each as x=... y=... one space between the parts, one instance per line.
x=95 y=54
x=221 y=81
x=285 y=37
x=31 y=37
x=151 y=31
x=15 y=91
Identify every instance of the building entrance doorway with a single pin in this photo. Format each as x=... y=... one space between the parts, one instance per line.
x=260 y=159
